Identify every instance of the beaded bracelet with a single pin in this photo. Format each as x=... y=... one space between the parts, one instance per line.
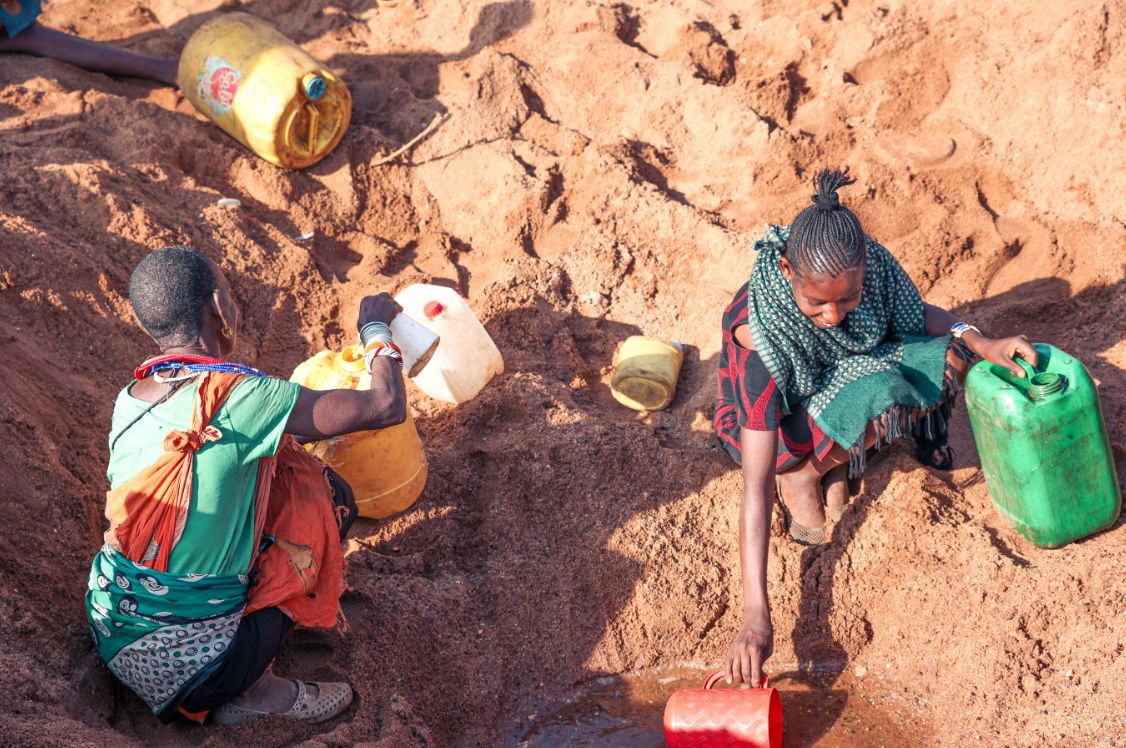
x=377 y=349
x=375 y=345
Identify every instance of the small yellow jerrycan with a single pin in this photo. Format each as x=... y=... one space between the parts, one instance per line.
x=264 y=91
x=645 y=373
x=386 y=468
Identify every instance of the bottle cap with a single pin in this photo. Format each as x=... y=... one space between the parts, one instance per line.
x=314 y=85
x=433 y=309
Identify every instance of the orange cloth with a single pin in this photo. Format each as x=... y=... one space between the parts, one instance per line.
x=302 y=571
x=148 y=512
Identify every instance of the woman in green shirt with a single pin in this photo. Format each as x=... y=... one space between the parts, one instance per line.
x=169 y=618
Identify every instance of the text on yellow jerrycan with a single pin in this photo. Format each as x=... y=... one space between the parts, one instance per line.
x=386 y=468
x=264 y=91
x=645 y=373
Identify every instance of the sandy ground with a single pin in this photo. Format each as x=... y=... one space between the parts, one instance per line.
x=604 y=171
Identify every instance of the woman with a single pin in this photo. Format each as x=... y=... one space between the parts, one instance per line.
x=829 y=351
x=223 y=532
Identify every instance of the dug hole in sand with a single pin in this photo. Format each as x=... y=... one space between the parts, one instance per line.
x=604 y=171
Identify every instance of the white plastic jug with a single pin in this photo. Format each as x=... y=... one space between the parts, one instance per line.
x=466 y=357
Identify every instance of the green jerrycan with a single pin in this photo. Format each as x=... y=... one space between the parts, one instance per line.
x=1044 y=447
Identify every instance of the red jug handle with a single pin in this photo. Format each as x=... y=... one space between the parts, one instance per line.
x=719 y=674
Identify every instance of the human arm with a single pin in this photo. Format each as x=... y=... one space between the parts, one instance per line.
x=754 y=643
x=1000 y=351
x=319 y=414
x=37 y=39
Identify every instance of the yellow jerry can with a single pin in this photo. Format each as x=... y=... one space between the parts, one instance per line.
x=645 y=373
x=386 y=468
x=264 y=91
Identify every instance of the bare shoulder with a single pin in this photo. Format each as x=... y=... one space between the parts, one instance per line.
x=743 y=337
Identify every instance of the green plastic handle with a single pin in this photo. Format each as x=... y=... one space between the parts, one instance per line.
x=1029 y=369
x=1021 y=383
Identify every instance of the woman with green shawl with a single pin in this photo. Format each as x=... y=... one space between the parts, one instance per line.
x=829 y=352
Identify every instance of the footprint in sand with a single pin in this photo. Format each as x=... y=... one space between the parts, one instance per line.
x=917 y=150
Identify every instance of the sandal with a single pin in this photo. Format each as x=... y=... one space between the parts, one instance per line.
x=936 y=453
x=802 y=535
x=331 y=700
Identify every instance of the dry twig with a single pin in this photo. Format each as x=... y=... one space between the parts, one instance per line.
x=434 y=124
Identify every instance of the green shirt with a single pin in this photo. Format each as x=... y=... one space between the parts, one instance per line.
x=219 y=532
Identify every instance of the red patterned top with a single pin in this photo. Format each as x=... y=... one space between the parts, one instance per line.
x=747 y=396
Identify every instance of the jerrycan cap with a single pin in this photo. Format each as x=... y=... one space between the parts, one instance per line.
x=314 y=86
x=433 y=309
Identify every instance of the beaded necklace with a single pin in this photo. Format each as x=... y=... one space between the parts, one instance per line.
x=180 y=362
x=193 y=365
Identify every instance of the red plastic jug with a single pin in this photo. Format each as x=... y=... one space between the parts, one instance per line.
x=728 y=718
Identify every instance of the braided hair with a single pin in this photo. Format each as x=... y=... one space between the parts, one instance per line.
x=826 y=237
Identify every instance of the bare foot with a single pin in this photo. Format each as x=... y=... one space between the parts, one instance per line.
x=835 y=487
x=801 y=494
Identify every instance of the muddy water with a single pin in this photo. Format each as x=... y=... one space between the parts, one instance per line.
x=820 y=709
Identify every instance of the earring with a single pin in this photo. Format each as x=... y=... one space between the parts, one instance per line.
x=227 y=333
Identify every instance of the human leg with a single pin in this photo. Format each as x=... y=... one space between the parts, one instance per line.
x=245 y=686
x=39 y=40
x=803 y=449
x=933 y=449
x=815 y=486
x=257 y=641
x=799 y=490
x=834 y=487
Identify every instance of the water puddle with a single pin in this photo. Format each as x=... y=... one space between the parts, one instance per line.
x=821 y=709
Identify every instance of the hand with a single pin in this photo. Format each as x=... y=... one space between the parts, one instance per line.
x=378 y=308
x=1001 y=351
x=752 y=647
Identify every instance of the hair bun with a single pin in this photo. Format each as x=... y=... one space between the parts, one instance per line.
x=832 y=201
x=827 y=182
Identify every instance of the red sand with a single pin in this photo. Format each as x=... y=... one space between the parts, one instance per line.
x=604 y=171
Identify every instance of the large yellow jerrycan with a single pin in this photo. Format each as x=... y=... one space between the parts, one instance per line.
x=386 y=468
x=264 y=91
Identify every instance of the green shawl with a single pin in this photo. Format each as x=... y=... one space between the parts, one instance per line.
x=879 y=363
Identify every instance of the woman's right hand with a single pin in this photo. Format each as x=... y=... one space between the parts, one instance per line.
x=378 y=308
x=752 y=647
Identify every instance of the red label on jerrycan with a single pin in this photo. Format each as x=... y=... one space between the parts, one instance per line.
x=727 y=718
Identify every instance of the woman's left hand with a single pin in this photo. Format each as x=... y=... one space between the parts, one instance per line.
x=1002 y=351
